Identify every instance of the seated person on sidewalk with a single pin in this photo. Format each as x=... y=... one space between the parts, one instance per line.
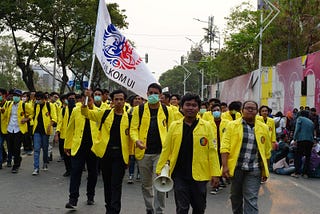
x=280 y=165
x=315 y=161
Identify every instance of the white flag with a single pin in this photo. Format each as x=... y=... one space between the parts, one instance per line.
x=119 y=60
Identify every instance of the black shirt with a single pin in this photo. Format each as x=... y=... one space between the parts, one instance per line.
x=183 y=166
x=86 y=136
x=40 y=126
x=115 y=137
x=154 y=145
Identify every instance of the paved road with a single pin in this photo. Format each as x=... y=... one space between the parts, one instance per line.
x=48 y=193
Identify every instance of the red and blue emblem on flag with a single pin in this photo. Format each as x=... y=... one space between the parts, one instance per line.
x=118 y=51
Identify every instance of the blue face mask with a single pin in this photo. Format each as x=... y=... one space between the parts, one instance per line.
x=153 y=98
x=97 y=98
x=16 y=99
x=202 y=110
x=216 y=114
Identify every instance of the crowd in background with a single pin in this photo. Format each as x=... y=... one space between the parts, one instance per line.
x=33 y=121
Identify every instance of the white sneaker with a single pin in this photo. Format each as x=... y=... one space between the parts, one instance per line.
x=45 y=167
x=35 y=172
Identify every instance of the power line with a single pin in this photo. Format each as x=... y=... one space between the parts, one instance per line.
x=162 y=35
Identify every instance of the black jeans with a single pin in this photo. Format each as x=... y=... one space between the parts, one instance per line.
x=84 y=155
x=66 y=158
x=190 y=192
x=113 y=169
x=303 y=149
x=27 y=140
x=14 y=141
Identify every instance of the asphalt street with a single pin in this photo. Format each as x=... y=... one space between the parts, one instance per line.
x=48 y=193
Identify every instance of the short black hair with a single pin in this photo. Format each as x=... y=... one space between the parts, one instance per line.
x=205 y=103
x=215 y=100
x=236 y=105
x=216 y=104
x=264 y=106
x=118 y=91
x=166 y=94
x=175 y=95
x=105 y=91
x=249 y=101
x=188 y=97
x=40 y=94
x=70 y=94
x=304 y=113
x=155 y=85
x=3 y=91
x=224 y=104
x=98 y=89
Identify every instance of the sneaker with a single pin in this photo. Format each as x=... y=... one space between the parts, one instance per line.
x=29 y=153
x=130 y=180
x=9 y=164
x=66 y=174
x=214 y=191
x=90 y=202
x=138 y=177
x=295 y=175
x=305 y=176
x=45 y=167
x=35 y=172
x=14 y=170
x=72 y=206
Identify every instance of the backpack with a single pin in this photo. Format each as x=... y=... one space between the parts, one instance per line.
x=141 y=109
x=105 y=115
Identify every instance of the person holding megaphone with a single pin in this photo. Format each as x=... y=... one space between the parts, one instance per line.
x=190 y=150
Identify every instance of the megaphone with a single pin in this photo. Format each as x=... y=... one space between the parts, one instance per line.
x=163 y=183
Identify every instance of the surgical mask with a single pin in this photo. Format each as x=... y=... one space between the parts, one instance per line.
x=153 y=98
x=202 y=110
x=216 y=114
x=97 y=98
x=233 y=112
x=1 y=98
x=16 y=99
x=66 y=102
x=23 y=99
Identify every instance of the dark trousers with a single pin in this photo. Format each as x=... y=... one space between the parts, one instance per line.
x=27 y=140
x=66 y=158
x=113 y=169
x=190 y=192
x=84 y=155
x=303 y=149
x=61 y=148
x=14 y=141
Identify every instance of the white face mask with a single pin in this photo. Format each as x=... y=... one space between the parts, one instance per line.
x=23 y=99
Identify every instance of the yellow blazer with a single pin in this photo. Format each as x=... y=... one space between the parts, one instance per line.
x=227 y=116
x=271 y=126
x=99 y=146
x=223 y=124
x=205 y=163
x=47 y=116
x=75 y=130
x=232 y=142
x=141 y=133
x=21 y=115
x=63 y=122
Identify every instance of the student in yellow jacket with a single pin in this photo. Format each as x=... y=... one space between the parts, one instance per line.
x=264 y=113
x=80 y=135
x=219 y=126
x=148 y=132
x=245 y=150
x=44 y=119
x=3 y=104
x=61 y=131
x=112 y=147
x=17 y=114
x=233 y=113
x=189 y=148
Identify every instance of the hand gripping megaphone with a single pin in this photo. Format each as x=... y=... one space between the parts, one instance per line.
x=163 y=183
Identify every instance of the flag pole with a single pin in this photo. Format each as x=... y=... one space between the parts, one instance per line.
x=90 y=77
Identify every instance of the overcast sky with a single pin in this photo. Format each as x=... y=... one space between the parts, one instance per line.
x=160 y=28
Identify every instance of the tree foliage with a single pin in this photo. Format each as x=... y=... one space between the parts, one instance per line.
x=68 y=25
x=290 y=35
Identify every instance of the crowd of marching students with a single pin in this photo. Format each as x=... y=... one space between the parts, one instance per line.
x=113 y=132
